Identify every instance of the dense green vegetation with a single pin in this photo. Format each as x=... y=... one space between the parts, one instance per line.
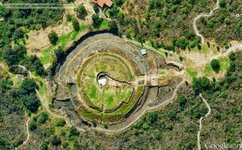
x=14 y=29
x=215 y=65
x=156 y=21
x=224 y=26
x=168 y=24
x=17 y=22
x=18 y=56
x=53 y=37
x=81 y=11
x=14 y=101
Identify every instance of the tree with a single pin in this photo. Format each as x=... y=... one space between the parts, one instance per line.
x=18 y=34
x=114 y=27
x=13 y=56
x=56 y=140
x=33 y=64
x=182 y=43
x=75 y=24
x=152 y=118
x=96 y=21
x=182 y=102
x=60 y=122
x=43 y=117
x=215 y=65
x=32 y=125
x=200 y=84
x=28 y=86
x=96 y=9
x=53 y=37
x=81 y=11
x=73 y=131
x=59 y=52
x=119 y=2
x=31 y=102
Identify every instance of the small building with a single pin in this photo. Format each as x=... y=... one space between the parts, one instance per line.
x=143 y=52
x=102 y=81
x=101 y=3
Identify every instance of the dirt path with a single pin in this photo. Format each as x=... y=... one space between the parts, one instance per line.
x=203 y=15
x=28 y=134
x=44 y=102
x=149 y=109
x=200 y=121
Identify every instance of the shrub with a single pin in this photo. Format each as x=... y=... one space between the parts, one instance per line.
x=53 y=37
x=200 y=84
x=113 y=27
x=96 y=21
x=81 y=11
x=13 y=56
x=215 y=65
x=55 y=140
x=43 y=117
x=73 y=131
x=32 y=125
x=60 y=122
x=76 y=25
x=182 y=102
x=31 y=102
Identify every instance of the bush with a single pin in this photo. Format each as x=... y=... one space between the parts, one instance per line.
x=60 y=122
x=76 y=25
x=119 y=2
x=31 y=102
x=73 y=131
x=96 y=9
x=200 y=84
x=32 y=125
x=33 y=64
x=43 y=117
x=53 y=37
x=28 y=86
x=55 y=140
x=182 y=102
x=13 y=56
x=114 y=27
x=215 y=65
x=59 y=52
x=96 y=21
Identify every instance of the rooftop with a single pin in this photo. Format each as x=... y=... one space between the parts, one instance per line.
x=101 y=3
x=143 y=51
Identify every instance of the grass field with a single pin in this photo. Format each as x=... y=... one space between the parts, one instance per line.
x=224 y=65
x=63 y=41
x=109 y=96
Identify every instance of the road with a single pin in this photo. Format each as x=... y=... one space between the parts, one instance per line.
x=203 y=15
x=200 y=121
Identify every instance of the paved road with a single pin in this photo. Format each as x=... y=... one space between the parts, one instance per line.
x=200 y=121
x=203 y=15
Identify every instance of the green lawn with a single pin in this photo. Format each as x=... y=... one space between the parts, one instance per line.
x=224 y=65
x=191 y=72
x=63 y=41
x=104 y=24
